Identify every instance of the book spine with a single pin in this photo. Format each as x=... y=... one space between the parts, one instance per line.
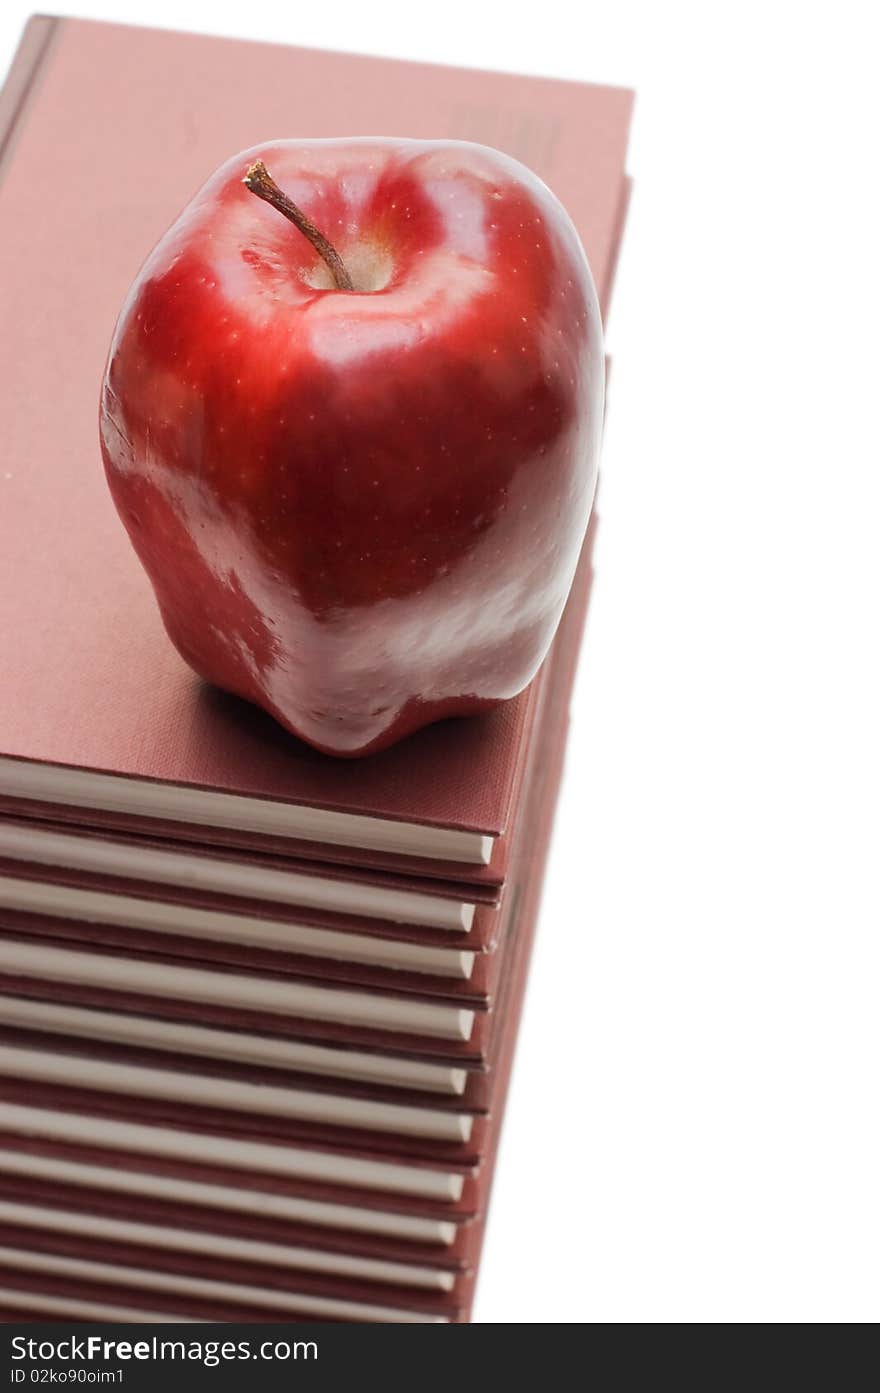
x=608 y=289
x=22 y=78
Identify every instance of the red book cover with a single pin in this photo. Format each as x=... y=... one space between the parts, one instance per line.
x=37 y=1281
x=381 y=1211
x=94 y=684
x=37 y=1274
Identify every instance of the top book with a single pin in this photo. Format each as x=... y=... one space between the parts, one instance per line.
x=97 y=710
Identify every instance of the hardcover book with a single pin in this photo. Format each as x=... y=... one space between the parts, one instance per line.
x=97 y=711
x=258 y=1007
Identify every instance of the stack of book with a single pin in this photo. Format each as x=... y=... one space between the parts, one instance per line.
x=257 y=1006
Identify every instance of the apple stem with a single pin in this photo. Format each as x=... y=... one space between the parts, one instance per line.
x=260 y=181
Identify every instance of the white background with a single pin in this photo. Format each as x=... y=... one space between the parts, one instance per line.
x=693 y=1130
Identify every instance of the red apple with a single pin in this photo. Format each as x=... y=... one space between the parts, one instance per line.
x=360 y=508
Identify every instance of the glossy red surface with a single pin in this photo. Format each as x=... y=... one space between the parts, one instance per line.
x=361 y=510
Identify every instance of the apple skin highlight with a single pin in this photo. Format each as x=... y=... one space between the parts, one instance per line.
x=361 y=510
